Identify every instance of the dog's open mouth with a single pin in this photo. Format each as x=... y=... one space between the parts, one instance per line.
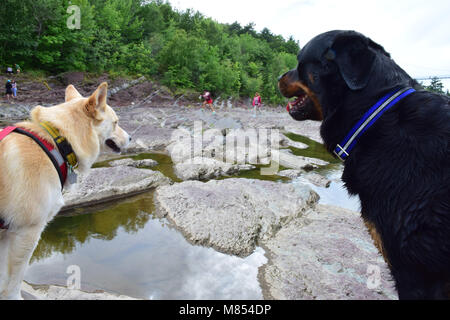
x=112 y=145
x=300 y=102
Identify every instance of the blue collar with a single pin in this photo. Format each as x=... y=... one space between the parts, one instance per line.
x=342 y=150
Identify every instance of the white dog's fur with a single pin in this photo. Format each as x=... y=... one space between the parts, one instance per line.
x=30 y=189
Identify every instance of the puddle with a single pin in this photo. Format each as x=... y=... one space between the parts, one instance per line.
x=165 y=164
x=335 y=194
x=314 y=150
x=124 y=248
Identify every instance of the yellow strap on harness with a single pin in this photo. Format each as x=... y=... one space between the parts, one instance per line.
x=61 y=141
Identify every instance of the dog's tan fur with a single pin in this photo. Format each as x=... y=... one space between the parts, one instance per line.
x=30 y=189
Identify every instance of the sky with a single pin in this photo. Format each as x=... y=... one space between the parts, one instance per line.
x=415 y=32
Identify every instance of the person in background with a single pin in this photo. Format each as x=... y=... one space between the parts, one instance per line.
x=9 y=70
x=257 y=102
x=8 y=87
x=14 y=88
x=207 y=100
x=17 y=68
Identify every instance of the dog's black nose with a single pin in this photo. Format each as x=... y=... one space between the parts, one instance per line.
x=130 y=138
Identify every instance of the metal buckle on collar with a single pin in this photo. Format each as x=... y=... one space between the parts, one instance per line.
x=342 y=151
x=62 y=144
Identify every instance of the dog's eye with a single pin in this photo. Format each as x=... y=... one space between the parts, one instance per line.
x=313 y=77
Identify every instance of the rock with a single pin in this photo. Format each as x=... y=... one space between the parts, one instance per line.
x=206 y=168
x=237 y=146
x=71 y=78
x=13 y=113
x=317 y=180
x=62 y=293
x=308 y=128
x=104 y=184
x=122 y=162
x=232 y=215
x=291 y=174
x=326 y=254
x=291 y=143
x=288 y=160
x=148 y=163
x=126 y=85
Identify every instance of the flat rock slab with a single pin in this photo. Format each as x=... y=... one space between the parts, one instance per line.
x=148 y=163
x=61 y=293
x=206 y=169
x=104 y=184
x=232 y=215
x=326 y=255
x=308 y=128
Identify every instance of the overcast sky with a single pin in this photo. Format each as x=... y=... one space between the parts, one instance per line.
x=415 y=32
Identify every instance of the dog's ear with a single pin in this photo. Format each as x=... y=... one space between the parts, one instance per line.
x=96 y=103
x=354 y=59
x=72 y=93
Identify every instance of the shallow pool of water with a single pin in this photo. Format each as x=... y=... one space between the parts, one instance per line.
x=126 y=249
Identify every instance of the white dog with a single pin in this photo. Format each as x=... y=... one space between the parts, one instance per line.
x=30 y=181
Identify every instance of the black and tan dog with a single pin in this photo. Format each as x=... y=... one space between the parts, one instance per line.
x=394 y=138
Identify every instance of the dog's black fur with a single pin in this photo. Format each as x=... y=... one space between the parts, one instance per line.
x=400 y=167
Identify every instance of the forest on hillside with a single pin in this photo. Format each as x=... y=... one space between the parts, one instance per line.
x=181 y=49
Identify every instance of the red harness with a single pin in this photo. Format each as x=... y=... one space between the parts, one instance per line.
x=49 y=149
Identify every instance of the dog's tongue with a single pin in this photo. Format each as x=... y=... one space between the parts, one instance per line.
x=293 y=103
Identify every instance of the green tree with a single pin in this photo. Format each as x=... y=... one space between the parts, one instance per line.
x=180 y=48
x=435 y=85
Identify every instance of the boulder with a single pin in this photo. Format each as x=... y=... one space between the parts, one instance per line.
x=206 y=169
x=104 y=184
x=317 y=180
x=148 y=163
x=288 y=160
x=291 y=174
x=232 y=215
x=326 y=255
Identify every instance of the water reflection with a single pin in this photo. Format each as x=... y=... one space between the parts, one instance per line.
x=165 y=164
x=124 y=249
x=315 y=150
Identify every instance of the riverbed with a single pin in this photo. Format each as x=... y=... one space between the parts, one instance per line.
x=125 y=247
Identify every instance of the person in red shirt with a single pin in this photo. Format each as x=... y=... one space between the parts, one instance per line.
x=257 y=102
x=207 y=100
